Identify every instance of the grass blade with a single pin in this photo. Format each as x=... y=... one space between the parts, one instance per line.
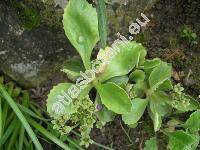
x=21 y=137
x=31 y=113
x=48 y=134
x=9 y=119
x=21 y=117
x=25 y=103
x=10 y=87
x=13 y=137
x=8 y=132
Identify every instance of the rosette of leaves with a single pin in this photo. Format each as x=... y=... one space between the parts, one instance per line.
x=124 y=81
x=150 y=88
x=81 y=27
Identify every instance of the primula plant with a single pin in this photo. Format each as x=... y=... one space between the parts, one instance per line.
x=124 y=82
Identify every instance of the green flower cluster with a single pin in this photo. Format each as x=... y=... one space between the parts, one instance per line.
x=180 y=98
x=83 y=116
x=59 y=124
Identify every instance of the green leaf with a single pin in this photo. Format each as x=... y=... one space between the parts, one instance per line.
x=196 y=142
x=193 y=123
x=159 y=74
x=120 y=80
x=180 y=140
x=81 y=27
x=156 y=118
x=137 y=110
x=59 y=101
x=149 y=64
x=137 y=75
x=158 y=103
x=72 y=68
x=122 y=61
x=141 y=58
x=151 y=144
x=139 y=89
x=104 y=114
x=114 y=98
x=166 y=85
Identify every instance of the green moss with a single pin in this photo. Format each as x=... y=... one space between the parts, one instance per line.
x=29 y=16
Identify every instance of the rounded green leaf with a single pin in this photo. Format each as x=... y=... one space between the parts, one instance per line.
x=193 y=123
x=151 y=144
x=58 y=102
x=158 y=103
x=180 y=140
x=137 y=110
x=137 y=75
x=81 y=27
x=159 y=74
x=122 y=81
x=149 y=64
x=114 y=98
x=166 y=85
x=139 y=89
x=121 y=60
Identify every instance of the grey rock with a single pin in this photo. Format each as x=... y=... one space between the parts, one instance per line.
x=125 y=13
x=30 y=57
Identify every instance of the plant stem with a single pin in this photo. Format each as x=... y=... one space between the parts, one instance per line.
x=126 y=134
x=102 y=23
x=21 y=117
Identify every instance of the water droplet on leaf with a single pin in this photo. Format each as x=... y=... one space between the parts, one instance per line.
x=80 y=39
